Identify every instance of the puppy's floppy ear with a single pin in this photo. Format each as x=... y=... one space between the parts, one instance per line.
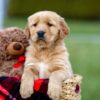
x=64 y=29
x=27 y=31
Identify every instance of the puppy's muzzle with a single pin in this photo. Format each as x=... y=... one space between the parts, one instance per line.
x=40 y=34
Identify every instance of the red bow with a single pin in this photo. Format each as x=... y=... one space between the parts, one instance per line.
x=20 y=62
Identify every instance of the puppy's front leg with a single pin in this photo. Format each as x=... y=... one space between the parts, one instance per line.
x=55 y=84
x=27 y=82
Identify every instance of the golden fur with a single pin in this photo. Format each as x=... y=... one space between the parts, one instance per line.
x=46 y=58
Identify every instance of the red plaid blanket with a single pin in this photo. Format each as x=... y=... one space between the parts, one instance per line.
x=9 y=89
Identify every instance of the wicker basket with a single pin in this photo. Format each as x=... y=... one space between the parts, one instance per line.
x=71 y=88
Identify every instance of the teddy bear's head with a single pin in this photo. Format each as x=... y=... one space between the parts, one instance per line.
x=13 y=42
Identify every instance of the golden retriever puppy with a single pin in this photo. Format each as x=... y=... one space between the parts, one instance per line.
x=46 y=56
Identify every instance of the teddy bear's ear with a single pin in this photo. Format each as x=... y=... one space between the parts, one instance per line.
x=27 y=31
x=64 y=29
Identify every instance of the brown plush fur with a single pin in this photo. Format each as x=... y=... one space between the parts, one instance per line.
x=7 y=37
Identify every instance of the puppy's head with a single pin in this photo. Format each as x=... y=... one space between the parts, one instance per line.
x=46 y=27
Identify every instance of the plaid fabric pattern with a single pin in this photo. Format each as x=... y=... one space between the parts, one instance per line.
x=9 y=89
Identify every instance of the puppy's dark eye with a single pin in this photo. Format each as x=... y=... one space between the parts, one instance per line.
x=49 y=24
x=35 y=24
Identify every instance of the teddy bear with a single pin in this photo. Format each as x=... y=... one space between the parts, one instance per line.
x=13 y=43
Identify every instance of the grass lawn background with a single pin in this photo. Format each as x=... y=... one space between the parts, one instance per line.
x=84 y=46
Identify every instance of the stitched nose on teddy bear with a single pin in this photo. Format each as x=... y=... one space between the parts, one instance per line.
x=15 y=48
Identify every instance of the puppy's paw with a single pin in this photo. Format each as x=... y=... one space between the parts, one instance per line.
x=54 y=91
x=26 y=90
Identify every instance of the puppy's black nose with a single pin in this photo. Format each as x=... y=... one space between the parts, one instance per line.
x=40 y=34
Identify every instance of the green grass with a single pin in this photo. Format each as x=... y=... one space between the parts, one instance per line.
x=84 y=47
x=20 y=22
x=86 y=27
x=85 y=59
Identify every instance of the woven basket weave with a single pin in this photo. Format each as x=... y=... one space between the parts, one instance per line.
x=71 y=88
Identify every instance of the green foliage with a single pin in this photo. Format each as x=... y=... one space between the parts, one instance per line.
x=67 y=8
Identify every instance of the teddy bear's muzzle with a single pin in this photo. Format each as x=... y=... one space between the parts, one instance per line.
x=15 y=48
